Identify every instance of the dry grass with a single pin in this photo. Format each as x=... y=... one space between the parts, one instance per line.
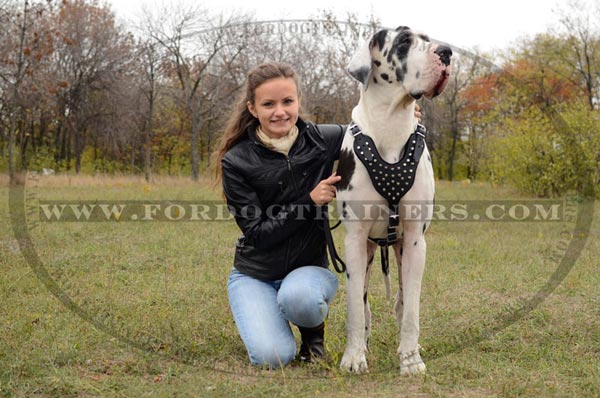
x=70 y=180
x=167 y=281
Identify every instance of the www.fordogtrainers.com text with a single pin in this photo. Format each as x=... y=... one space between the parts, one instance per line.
x=170 y=211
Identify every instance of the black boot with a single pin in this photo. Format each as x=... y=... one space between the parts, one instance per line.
x=312 y=343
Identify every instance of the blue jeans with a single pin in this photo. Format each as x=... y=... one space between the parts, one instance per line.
x=262 y=310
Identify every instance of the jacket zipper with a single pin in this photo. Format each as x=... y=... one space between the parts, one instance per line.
x=289 y=166
x=297 y=189
x=295 y=183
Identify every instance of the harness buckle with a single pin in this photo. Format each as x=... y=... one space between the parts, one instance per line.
x=392 y=236
x=355 y=130
x=420 y=130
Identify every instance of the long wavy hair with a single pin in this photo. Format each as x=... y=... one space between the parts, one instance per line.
x=241 y=118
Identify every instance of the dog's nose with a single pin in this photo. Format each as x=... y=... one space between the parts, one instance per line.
x=444 y=52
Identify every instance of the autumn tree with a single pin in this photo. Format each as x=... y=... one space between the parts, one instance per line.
x=90 y=53
x=527 y=113
x=23 y=45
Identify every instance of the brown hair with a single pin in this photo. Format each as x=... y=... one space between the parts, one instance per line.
x=241 y=118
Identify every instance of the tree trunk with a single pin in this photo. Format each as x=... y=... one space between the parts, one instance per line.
x=194 y=144
x=24 y=143
x=148 y=140
x=208 y=145
x=95 y=152
x=32 y=134
x=78 y=146
x=452 y=153
x=67 y=147
x=43 y=130
x=11 y=151
x=132 y=162
x=15 y=95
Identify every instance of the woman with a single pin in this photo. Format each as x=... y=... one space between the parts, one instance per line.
x=276 y=171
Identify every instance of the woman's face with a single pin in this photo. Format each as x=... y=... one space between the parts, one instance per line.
x=276 y=106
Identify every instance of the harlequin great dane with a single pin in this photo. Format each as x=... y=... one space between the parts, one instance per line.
x=385 y=165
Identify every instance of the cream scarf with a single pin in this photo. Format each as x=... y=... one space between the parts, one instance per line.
x=282 y=144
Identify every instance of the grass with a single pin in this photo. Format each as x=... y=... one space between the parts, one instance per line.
x=158 y=324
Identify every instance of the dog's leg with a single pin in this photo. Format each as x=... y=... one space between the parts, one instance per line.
x=413 y=265
x=354 y=359
x=370 y=256
x=399 y=303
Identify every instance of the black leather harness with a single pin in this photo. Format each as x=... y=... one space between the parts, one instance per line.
x=392 y=181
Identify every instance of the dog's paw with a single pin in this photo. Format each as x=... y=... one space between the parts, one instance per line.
x=412 y=364
x=354 y=361
x=413 y=369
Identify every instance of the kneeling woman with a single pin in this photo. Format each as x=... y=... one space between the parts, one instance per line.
x=276 y=171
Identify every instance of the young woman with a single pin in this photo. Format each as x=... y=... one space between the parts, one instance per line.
x=276 y=170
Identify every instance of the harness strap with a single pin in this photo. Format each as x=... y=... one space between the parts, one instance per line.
x=392 y=237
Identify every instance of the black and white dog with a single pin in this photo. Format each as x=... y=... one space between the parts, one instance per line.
x=384 y=165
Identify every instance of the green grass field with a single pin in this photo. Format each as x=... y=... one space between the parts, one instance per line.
x=140 y=309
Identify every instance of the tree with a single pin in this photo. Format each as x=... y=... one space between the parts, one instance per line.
x=20 y=53
x=579 y=31
x=528 y=113
x=447 y=119
x=90 y=54
x=151 y=59
x=176 y=31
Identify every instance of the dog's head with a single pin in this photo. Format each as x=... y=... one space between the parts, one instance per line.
x=403 y=58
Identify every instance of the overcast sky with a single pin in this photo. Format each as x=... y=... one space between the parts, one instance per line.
x=468 y=24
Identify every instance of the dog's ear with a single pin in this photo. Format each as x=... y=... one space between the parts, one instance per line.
x=360 y=64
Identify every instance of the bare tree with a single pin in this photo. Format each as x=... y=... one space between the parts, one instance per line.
x=151 y=62
x=13 y=70
x=90 y=54
x=581 y=31
x=189 y=60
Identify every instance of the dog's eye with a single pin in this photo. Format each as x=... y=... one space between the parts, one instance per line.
x=425 y=37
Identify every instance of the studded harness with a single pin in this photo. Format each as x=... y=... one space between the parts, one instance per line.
x=392 y=181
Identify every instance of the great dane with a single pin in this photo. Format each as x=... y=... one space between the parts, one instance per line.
x=394 y=67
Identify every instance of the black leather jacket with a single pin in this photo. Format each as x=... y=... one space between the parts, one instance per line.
x=269 y=195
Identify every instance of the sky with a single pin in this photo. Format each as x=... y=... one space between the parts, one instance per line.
x=468 y=24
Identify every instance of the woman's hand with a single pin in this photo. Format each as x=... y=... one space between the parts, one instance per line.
x=324 y=192
x=418 y=114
